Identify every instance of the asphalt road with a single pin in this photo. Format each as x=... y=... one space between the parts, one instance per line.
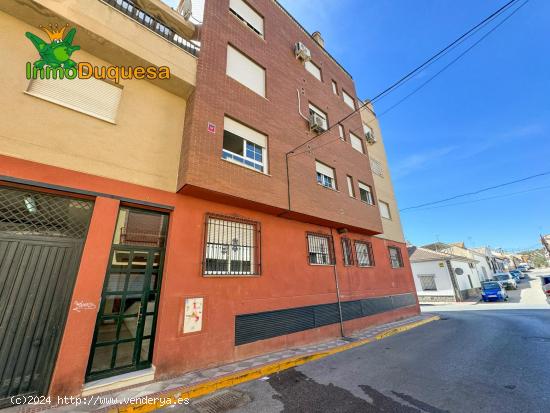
x=470 y=361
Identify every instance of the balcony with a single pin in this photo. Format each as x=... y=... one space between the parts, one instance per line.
x=130 y=9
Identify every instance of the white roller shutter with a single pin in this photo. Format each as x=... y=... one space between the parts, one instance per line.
x=244 y=132
x=356 y=142
x=313 y=69
x=90 y=96
x=348 y=100
x=325 y=170
x=246 y=13
x=245 y=71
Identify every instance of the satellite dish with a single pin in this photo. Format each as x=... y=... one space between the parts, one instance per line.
x=185 y=8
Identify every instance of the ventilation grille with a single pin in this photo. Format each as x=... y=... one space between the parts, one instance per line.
x=34 y=213
x=261 y=326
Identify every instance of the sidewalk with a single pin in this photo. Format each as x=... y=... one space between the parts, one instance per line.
x=200 y=383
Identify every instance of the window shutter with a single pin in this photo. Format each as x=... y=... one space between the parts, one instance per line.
x=245 y=132
x=313 y=69
x=348 y=100
x=245 y=71
x=325 y=170
x=92 y=96
x=356 y=142
x=248 y=14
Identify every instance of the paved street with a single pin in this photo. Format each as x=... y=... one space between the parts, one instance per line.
x=470 y=361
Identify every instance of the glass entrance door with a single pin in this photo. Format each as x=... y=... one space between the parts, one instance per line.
x=125 y=328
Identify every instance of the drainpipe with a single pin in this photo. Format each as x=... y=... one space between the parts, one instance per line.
x=338 y=291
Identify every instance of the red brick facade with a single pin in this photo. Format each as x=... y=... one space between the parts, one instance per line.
x=276 y=116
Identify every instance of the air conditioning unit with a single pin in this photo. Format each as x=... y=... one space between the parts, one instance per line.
x=302 y=52
x=317 y=123
x=370 y=137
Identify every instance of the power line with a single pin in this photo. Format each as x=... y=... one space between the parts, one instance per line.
x=477 y=192
x=414 y=71
x=432 y=60
x=540 y=188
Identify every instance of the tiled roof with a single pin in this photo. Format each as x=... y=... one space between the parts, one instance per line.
x=417 y=254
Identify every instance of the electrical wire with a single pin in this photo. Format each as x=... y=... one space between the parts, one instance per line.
x=476 y=192
x=477 y=27
x=419 y=68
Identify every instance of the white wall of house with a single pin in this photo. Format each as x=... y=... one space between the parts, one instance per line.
x=441 y=275
x=462 y=279
x=484 y=272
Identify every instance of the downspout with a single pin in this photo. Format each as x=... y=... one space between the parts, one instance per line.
x=337 y=290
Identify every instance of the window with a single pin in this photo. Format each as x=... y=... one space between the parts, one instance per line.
x=348 y=100
x=320 y=249
x=92 y=96
x=427 y=282
x=347 y=252
x=231 y=246
x=351 y=189
x=363 y=252
x=245 y=71
x=313 y=69
x=384 y=209
x=341 y=132
x=314 y=110
x=365 y=193
x=376 y=167
x=334 y=87
x=248 y=15
x=356 y=143
x=244 y=145
x=396 y=259
x=325 y=175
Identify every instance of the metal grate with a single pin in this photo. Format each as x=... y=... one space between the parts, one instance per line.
x=396 y=259
x=261 y=326
x=320 y=249
x=131 y=10
x=231 y=246
x=221 y=402
x=347 y=251
x=427 y=282
x=363 y=251
x=35 y=213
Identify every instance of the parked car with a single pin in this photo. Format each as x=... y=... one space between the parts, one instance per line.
x=545 y=281
x=518 y=275
x=507 y=280
x=493 y=291
x=523 y=267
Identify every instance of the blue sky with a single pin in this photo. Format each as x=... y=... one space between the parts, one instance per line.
x=484 y=121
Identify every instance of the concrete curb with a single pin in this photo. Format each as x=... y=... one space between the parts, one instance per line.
x=202 y=389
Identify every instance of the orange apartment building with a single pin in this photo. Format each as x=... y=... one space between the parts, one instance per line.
x=153 y=227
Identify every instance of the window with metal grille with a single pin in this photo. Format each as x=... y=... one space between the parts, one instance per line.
x=427 y=282
x=396 y=259
x=363 y=252
x=347 y=251
x=231 y=246
x=36 y=213
x=320 y=249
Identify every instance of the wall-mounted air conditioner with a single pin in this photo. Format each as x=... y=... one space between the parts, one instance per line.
x=317 y=123
x=302 y=52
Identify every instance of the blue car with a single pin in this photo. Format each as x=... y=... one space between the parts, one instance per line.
x=493 y=291
x=517 y=275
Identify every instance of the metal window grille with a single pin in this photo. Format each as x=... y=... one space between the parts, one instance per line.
x=363 y=251
x=231 y=246
x=395 y=257
x=320 y=249
x=131 y=10
x=141 y=228
x=35 y=213
x=347 y=251
x=427 y=282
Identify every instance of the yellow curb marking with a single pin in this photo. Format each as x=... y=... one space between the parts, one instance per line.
x=234 y=379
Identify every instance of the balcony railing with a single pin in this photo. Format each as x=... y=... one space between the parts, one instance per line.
x=135 y=13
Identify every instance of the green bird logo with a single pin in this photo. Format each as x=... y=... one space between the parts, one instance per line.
x=58 y=52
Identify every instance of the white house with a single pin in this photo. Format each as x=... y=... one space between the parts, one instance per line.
x=440 y=276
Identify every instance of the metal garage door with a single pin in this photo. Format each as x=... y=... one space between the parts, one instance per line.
x=41 y=238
